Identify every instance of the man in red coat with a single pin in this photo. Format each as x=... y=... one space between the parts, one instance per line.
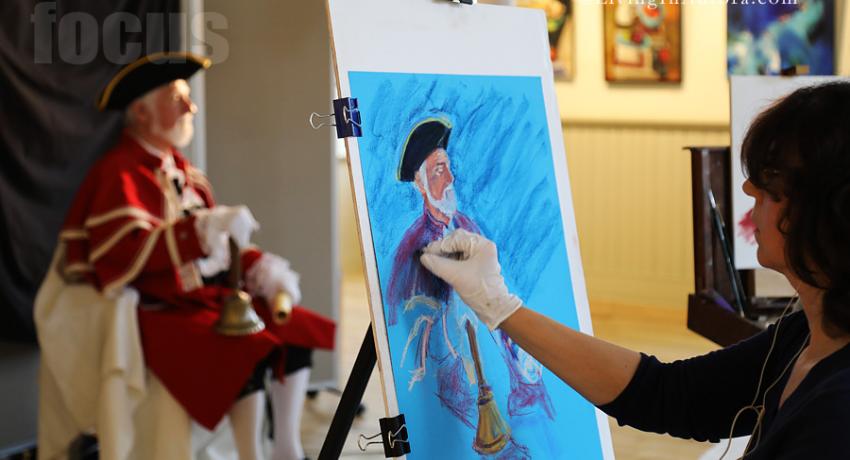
x=145 y=217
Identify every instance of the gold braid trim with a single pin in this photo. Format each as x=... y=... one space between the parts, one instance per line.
x=171 y=242
x=101 y=250
x=73 y=234
x=137 y=264
x=79 y=267
x=110 y=87
x=127 y=211
x=198 y=179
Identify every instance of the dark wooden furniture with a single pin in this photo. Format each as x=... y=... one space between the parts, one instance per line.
x=710 y=320
x=710 y=168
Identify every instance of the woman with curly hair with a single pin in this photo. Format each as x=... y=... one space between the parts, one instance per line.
x=789 y=386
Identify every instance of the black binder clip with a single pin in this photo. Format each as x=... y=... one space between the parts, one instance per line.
x=346 y=118
x=393 y=436
x=465 y=2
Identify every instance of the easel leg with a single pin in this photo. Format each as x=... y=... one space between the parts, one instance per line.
x=350 y=400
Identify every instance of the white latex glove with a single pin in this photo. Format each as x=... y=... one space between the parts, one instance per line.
x=235 y=221
x=270 y=275
x=470 y=264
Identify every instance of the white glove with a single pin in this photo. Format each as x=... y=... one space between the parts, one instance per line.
x=476 y=276
x=270 y=275
x=235 y=221
x=218 y=258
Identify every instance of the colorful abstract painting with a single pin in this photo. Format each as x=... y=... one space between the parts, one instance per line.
x=766 y=39
x=442 y=152
x=643 y=41
x=561 y=29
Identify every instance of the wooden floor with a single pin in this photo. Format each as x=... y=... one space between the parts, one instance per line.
x=657 y=331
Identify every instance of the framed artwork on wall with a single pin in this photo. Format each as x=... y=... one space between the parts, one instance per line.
x=770 y=38
x=560 y=25
x=643 y=42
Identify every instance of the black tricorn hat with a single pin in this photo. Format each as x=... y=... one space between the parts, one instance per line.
x=139 y=77
x=428 y=135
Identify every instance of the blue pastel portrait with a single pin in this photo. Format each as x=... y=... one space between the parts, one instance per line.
x=447 y=152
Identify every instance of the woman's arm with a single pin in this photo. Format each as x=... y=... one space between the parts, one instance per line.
x=694 y=398
x=596 y=369
x=469 y=262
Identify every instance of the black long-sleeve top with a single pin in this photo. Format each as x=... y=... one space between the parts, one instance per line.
x=698 y=398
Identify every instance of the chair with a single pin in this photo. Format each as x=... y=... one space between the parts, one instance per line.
x=93 y=377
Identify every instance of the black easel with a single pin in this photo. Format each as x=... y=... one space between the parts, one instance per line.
x=350 y=400
x=393 y=431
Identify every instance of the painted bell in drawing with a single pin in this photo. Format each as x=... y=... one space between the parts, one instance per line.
x=237 y=314
x=492 y=433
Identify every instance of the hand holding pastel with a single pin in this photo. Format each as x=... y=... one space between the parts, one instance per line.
x=469 y=263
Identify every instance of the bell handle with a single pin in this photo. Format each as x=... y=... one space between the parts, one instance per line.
x=234 y=276
x=473 y=346
x=281 y=308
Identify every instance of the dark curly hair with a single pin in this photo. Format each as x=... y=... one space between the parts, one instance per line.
x=799 y=149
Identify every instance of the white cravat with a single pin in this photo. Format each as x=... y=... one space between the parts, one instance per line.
x=188 y=197
x=168 y=166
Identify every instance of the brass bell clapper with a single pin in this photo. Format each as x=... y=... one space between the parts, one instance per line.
x=237 y=315
x=492 y=433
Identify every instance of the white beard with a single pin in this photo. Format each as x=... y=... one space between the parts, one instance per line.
x=447 y=205
x=179 y=135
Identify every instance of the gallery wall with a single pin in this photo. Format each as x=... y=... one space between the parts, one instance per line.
x=630 y=178
x=260 y=150
x=701 y=99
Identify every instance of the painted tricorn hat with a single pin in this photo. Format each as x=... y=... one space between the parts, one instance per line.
x=147 y=73
x=428 y=135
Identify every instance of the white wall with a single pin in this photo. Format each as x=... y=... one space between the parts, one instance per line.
x=262 y=152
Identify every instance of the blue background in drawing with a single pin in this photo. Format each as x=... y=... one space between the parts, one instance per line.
x=501 y=158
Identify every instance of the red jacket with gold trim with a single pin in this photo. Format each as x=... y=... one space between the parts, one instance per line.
x=125 y=226
x=130 y=224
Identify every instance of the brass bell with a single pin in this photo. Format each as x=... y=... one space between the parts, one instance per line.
x=237 y=315
x=492 y=433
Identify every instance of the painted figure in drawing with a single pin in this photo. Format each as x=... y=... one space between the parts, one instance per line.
x=437 y=343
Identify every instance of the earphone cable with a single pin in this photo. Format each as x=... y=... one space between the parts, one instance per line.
x=760 y=409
